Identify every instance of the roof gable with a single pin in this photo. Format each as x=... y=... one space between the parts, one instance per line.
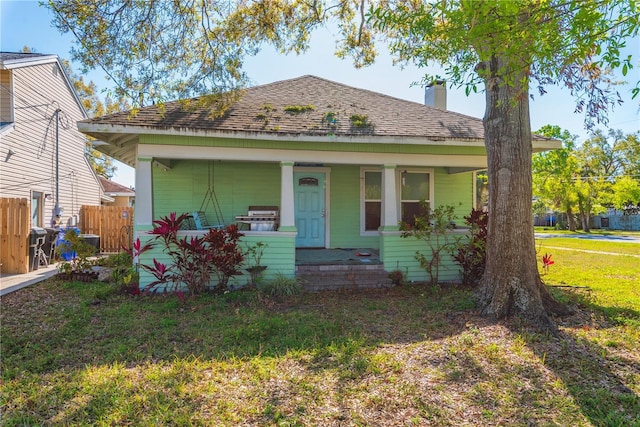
x=110 y=187
x=12 y=60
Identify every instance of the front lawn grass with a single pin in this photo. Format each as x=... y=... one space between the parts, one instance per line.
x=612 y=280
x=78 y=354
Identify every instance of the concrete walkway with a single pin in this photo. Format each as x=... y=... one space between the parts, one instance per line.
x=622 y=238
x=12 y=282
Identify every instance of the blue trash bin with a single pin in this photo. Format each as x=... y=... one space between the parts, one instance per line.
x=68 y=254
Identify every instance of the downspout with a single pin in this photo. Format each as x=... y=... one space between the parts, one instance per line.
x=57 y=208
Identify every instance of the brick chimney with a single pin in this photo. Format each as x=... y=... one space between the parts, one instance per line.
x=435 y=94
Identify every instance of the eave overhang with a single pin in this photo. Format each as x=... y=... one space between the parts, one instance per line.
x=120 y=142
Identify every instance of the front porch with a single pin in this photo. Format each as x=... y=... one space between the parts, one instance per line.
x=347 y=207
x=338 y=256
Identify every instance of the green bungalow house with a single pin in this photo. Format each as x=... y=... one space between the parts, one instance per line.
x=341 y=166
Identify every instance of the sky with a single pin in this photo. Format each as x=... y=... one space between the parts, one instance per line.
x=25 y=23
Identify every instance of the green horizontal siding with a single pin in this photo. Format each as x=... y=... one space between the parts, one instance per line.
x=455 y=190
x=400 y=253
x=237 y=185
x=345 y=210
x=279 y=257
x=310 y=145
x=234 y=187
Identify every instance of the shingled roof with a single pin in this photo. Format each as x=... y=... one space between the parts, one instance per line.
x=304 y=107
x=301 y=106
x=13 y=59
x=111 y=187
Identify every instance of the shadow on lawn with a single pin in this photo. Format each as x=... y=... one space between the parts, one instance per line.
x=595 y=375
x=85 y=337
x=76 y=332
x=134 y=330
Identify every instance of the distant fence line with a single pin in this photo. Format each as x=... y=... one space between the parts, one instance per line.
x=625 y=220
x=112 y=223
x=620 y=221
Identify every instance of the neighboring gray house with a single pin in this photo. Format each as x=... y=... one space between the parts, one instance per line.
x=39 y=109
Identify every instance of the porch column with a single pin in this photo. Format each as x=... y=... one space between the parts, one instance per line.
x=389 y=220
x=287 y=212
x=144 y=200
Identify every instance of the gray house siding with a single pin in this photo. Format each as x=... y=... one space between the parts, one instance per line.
x=38 y=91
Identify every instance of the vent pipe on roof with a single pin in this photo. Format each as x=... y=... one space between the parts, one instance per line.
x=435 y=94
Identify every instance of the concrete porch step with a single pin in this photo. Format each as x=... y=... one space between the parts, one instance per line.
x=334 y=277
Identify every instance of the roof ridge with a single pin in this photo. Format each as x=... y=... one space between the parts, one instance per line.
x=370 y=91
x=300 y=78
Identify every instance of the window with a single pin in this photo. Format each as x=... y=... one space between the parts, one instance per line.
x=415 y=186
x=412 y=187
x=36 y=209
x=372 y=200
x=6 y=100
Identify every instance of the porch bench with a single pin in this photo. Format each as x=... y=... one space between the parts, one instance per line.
x=198 y=221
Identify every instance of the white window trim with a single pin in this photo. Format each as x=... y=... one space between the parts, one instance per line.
x=40 y=213
x=363 y=171
x=399 y=171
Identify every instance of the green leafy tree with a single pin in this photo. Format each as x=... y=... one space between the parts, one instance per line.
x=509 y=47
x=157 y=50
x=554 y=173
x=581 y=180
x=626 y=192
x=628 y=148
x=600 y=157
x=604 y=159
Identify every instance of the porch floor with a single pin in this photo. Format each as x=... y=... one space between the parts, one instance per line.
x=337 y=257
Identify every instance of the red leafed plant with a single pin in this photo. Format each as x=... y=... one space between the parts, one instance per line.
x=546 y=262
x=471 y=254
x=195 y=259
x=226 y=254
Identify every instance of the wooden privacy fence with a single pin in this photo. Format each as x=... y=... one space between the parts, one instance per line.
x=14 y=238
x=112 y=223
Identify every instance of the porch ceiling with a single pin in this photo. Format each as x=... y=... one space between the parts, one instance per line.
x=173 y=152
x=120 y=146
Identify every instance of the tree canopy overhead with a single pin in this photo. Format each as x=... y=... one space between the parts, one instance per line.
x=574 y=43
x=164 y=50
x=159 y=50
x=155 y=50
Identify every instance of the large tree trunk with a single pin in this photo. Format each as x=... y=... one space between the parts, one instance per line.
x=584 y=215
x=511 y=284
x=571 y=219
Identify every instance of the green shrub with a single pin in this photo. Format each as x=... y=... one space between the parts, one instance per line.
x=281 y=285
x=121 y=259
